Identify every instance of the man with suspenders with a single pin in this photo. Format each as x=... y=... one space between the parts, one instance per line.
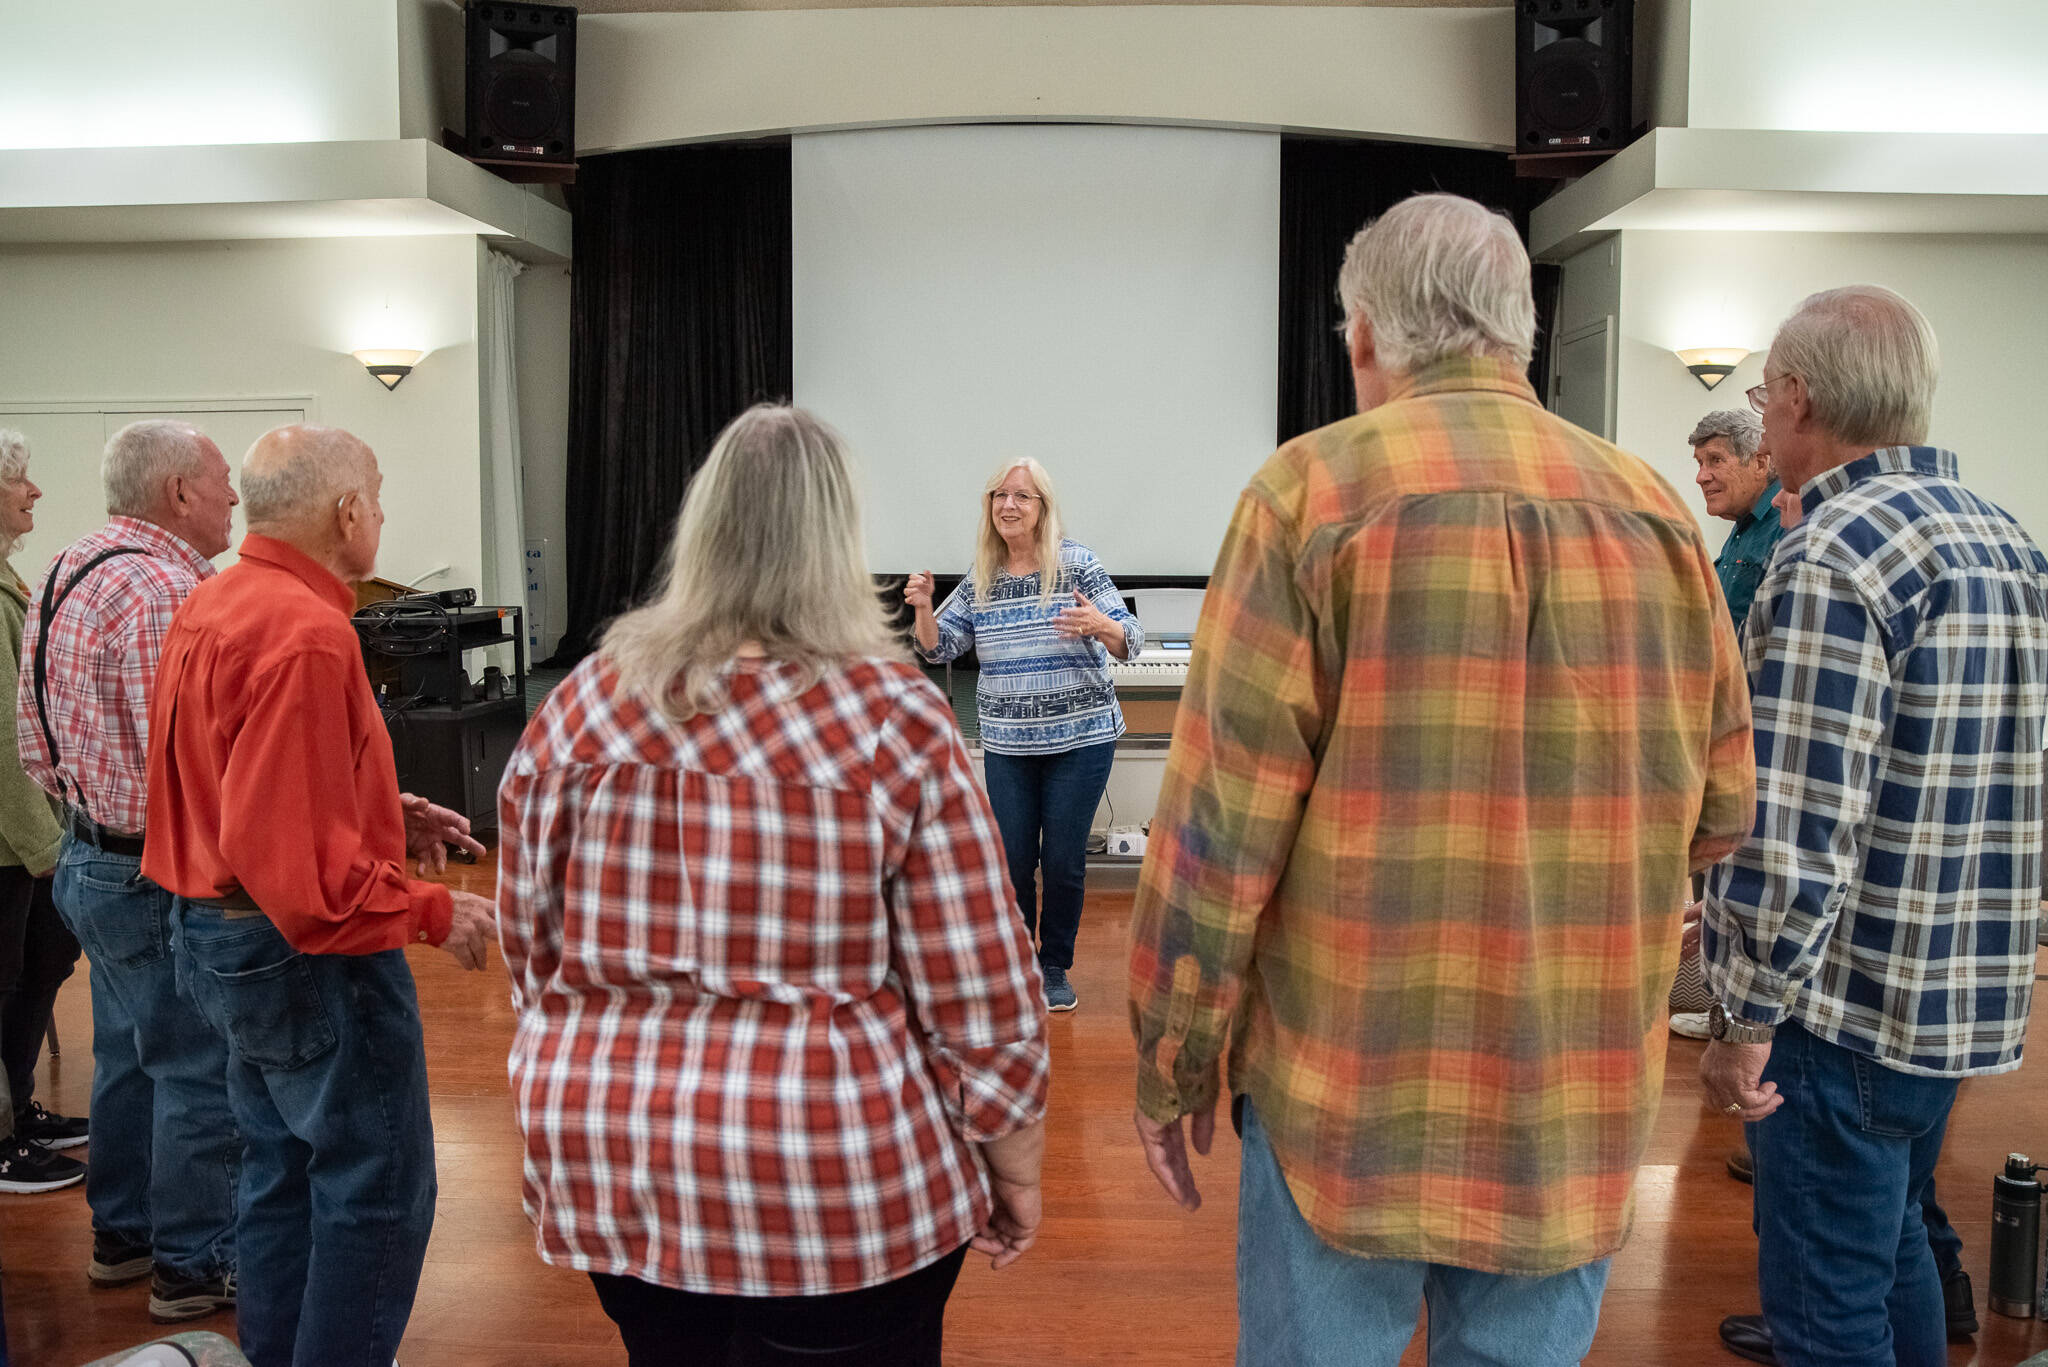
x=165 y=1151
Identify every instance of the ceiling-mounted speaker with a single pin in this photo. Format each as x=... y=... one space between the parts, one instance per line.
x=1574 y=60
x=520 y=78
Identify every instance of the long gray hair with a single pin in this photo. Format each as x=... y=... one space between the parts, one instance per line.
x=768 y=550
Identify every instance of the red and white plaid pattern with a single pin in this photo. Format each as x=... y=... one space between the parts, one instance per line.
x=104 y=648
x=771 y=981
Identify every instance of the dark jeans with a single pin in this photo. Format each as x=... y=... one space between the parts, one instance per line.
x=36 y=956
x=165 y=1152
x=1843 y=1258
x=327 y=1075
x=1942 y=1240
x=896 y=1324
x=1044 y=805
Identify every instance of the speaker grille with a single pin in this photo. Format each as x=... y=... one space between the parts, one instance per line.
x=1567 y=90
x=522 y=104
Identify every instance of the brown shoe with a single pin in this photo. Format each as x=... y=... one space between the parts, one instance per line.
x=1741 y=1166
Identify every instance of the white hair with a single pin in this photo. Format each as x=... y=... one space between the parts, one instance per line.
x=317 y=467
x=141 y=456
x=1742 y=430
x=1439 y=276
x=767 y=550
x=990 y=550
x=13 y=469
x=1869 y=361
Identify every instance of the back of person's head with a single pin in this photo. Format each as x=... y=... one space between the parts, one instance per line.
x=1869 y=362
x=1440 y=276
x=767 y=549
x=1740 y=428
x=293 y=475
x=141 y=457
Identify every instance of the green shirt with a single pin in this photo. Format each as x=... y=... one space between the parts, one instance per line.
x=1747 y=554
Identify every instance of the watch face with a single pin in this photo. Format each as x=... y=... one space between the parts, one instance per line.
x=1717 y=1022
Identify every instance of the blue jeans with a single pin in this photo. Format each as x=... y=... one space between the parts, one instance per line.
x=1044 y=806
x=165 y=1152
x=328 y=1078
x=1942 y=1240
x=1843 y=1262
x=1303 y=1303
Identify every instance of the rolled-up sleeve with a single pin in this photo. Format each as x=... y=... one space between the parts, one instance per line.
x=960 y=946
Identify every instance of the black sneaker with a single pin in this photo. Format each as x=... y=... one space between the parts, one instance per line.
x=174 y=1298
x=1059 y=993
x=49 y=1129
x=1959 y=1307
x=31 y=1167
x=116 y=1262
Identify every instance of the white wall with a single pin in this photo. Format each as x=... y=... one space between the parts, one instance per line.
x=430 y=75
x=1987 y=298
x=1871 y=66
x=541 y=313
x=210 y=321
x=138 y=73
x=1441 y=75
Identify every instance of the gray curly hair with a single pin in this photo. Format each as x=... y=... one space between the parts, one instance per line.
x=1743 y=432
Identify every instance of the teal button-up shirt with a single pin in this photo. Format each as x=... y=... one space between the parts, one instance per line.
x=1747 y=554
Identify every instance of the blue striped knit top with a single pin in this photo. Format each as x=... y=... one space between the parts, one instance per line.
x=1040 y=693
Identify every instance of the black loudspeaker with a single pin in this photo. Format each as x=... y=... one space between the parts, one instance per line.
x=1574 y=60
x=520 y=74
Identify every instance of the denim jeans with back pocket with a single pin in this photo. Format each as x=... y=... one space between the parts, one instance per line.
x=328 y=1078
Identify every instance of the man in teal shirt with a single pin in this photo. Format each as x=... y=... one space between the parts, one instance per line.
x=1738 y=483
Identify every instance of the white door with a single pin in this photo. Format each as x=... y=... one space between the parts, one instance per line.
x=1582 y=389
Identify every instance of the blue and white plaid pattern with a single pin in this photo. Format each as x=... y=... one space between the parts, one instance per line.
x=1040 y=693
x=1898 y=656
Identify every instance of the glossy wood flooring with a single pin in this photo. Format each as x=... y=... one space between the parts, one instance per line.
x=1120 y=1276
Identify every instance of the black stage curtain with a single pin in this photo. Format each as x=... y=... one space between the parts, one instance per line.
x=1328 y=189
x=679 y=319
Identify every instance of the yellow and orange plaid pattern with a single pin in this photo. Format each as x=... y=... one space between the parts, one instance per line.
x=1465 y=707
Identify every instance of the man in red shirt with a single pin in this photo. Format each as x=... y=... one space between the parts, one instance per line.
x=275 y=816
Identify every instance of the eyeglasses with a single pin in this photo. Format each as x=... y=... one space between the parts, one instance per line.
x=1005 y=496
x=1760 y=394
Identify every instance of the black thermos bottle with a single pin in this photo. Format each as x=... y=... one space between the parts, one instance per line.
x=2015 y=1237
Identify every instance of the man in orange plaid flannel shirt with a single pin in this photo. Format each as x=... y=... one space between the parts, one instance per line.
x=1465 y=707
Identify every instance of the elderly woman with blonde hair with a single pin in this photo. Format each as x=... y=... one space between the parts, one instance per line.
x=781 y=1056
x=1045 y=619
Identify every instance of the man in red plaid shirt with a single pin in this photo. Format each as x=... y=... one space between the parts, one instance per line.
x=165 y=1152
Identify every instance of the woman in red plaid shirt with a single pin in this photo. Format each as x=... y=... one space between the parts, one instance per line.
x=781 y=1055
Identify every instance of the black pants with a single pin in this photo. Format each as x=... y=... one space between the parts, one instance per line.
x=896 y=1324
x=36 y=956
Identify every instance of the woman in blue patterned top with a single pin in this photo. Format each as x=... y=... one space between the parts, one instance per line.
x=1043 y=616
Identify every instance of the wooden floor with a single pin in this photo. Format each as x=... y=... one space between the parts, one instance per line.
x=1120 y=1276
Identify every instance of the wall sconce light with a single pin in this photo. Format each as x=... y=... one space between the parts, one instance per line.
x=389 y=366
x=1711 y=364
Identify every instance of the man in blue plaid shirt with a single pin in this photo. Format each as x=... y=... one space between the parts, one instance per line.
x=1873 y=941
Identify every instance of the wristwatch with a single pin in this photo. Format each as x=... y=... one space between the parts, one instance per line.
x=1729 y=1030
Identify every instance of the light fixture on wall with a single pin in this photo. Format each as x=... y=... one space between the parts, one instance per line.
x=389 y=365
x=1711 y=364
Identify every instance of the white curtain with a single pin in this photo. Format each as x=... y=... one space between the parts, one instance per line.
x=504 y=510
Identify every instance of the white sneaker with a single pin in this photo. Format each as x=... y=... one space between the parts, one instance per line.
x=1690 y=1024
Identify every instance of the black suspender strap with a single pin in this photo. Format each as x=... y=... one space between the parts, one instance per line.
x=53 y=598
